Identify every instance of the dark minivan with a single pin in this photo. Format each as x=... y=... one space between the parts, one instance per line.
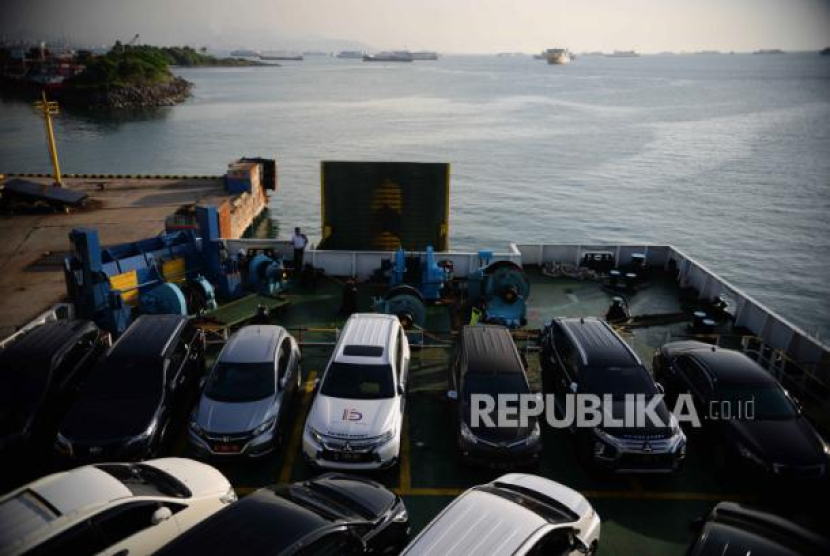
x=733 y=529
x=585 y=356
x=125 y=410
x=333 y=514
x=487 y=362
x=40 y=373
x=755 y=425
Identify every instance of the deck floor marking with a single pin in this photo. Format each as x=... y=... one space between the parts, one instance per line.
x=406 y=471
x=297 y=431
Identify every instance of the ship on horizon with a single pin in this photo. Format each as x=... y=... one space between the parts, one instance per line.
x=425 y=55
x=623 y=54
x=350 y=54
x=389 y=56
x=557 y=56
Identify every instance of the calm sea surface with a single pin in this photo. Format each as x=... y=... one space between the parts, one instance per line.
x=725 y=156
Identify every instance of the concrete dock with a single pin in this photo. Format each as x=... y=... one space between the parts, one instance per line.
x=122 y=209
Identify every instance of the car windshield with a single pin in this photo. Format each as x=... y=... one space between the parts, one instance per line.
x=126 y=379
x=241 y=382
x=494 y=384
x=358 y=382
x=617 y=381
x=146 y=480
x=766 y=400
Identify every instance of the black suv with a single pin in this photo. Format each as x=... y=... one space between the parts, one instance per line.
x=586 y=356
x=333 y=514
x=751 y=419
x=40 y=373
x=741 y=530
x=134 y=392
x=487 y=362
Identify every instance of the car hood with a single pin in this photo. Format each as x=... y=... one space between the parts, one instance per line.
x=201 y=480
x=105 y=420
x=353 y=418
x=234 y=417
x=784 y=441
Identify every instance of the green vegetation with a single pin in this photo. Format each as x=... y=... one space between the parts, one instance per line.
x=125 y=66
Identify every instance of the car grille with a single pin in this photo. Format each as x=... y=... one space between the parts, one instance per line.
x=347 y=445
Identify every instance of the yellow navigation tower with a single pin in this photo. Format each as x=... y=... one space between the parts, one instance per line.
x=49 y=108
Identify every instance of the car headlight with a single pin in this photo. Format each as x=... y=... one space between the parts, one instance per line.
x=229 y=496
x=401 y=516
x=384 y=438
x=534 y=434
x=748 y=454
x=196 y=429
x=826 y=447
x=62 y=445
x=315 y=434
x=467 y=434
x=265 y=427
x=144 y=436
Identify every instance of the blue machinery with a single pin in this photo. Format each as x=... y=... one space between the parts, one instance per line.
x=171 y=273
x=497 y=291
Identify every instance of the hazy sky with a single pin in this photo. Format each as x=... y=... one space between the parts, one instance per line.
x=443 y=25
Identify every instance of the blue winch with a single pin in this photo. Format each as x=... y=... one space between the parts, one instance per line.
x=266 y=274
x=500 y=291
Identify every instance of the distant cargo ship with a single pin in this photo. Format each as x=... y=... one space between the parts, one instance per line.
x=424 y=55
x=769 y=51
x=557 y=56
x=245 y=53
x=623 y=54
x=280 y=56
x=351 y=54
x=396 y=56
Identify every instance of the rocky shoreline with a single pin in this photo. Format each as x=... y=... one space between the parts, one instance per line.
x=135 y=96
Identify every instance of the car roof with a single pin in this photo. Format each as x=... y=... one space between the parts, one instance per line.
x=46 y=344
x=147 y=338
x=479 y=523
x=253 y=344
x=53 y=500
x=489 y=349
x=727 y=365
x=261 y=524
x=366 y=330
x=597 y=343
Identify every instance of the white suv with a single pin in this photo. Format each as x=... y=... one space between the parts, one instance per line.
x=110 y=508
x=355 y=420
x=516 y=515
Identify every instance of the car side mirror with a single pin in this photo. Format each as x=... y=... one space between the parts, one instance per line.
x=574 y=387
x=452 y=395
x=580 y=546
x=161 y=515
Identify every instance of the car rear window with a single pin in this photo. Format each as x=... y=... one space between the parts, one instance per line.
x=358 y=382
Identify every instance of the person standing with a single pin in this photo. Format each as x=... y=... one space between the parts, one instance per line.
x=299 y=241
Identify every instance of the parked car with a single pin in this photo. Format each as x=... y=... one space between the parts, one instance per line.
x=110 y=508
x=734 y=529
x=770 y=436
x=586 y=356
x=332 y=514
x=132 y=395
x=486 y=361
x=244 y=404
x=356 y=418
x=40 y=373
x=516 y=515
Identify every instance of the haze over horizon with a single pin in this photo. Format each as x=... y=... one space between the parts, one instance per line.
x=458 y=26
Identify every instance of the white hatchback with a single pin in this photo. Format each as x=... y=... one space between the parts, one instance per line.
x=111 y=508
x=356 y=419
